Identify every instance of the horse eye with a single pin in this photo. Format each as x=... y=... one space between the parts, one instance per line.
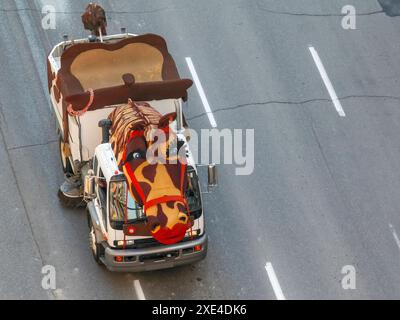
x=136 y=155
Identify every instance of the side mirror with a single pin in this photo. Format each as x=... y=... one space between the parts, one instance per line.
x=89 y=186
x=212 y=176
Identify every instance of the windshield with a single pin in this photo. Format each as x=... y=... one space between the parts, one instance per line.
x=119 y=198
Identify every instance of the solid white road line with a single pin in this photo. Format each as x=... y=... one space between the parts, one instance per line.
x=138 y=289
x=395 y=236
x=274 y=282
x=327 y=82
x=201 y=92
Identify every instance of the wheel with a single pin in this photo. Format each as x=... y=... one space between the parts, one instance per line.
x=65 y=162
x=97 y=249
x=70 y=202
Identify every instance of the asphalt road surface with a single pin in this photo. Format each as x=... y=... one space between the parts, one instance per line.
x=325 y=191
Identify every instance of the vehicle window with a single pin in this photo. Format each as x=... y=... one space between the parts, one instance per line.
x=119 y=199
x=95 y=165
x=193 y=192
x=102 y=194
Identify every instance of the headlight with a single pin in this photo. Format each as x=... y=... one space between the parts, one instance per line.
x=120 y=243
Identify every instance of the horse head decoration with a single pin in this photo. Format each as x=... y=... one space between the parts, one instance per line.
x=157 y=180
x=94 y=19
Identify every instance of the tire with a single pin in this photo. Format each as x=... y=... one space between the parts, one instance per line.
x=69 y=202
x=97 y=249
x=65 y=162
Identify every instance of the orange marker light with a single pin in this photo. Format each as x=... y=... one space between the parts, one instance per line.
x=119 y=258
x=197 y=248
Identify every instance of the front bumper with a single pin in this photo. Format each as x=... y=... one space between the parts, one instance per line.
x=156 y=258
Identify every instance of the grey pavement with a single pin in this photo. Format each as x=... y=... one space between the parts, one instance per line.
x=325 y=188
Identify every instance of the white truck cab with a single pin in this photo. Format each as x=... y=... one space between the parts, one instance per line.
x=113 y=238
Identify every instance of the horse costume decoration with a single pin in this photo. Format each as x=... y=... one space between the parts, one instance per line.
x=157 y=182
x=94 y=19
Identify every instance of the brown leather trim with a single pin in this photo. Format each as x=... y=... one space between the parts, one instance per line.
x=65 y=122
x=50 y=75
x=57 y=94
x=145 y=91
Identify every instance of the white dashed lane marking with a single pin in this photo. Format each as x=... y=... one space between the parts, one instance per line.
x=138 y=290
x=201 y=92
x=274 y=282
x=327 y=82
x=395 y=236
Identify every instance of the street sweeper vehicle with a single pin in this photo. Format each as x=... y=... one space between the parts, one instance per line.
x=118 y=102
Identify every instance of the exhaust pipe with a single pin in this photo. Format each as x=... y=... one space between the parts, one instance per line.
x=105 y=125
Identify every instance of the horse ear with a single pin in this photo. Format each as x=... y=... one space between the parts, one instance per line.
x=167 y=119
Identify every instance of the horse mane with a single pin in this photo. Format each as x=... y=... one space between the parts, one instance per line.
x=129 y=117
